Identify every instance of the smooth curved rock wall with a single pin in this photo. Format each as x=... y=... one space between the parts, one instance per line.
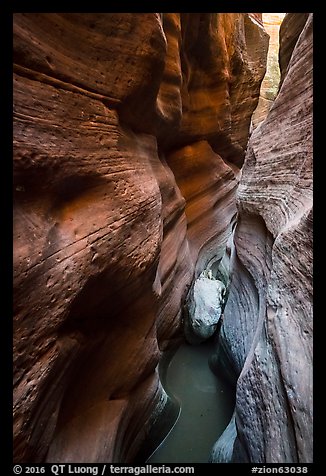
x=128 y=133
x=267 y=328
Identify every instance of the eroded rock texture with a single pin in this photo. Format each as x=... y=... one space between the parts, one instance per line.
x=270 y=300
x=128 y=133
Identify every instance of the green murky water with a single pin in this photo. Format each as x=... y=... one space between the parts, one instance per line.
x=206 y=406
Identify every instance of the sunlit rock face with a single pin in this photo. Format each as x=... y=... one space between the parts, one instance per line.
x=270 y=84
x=129 y=130
x=266 y=334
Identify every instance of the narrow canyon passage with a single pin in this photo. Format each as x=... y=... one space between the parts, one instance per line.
x=155 y=159
x=206 y=403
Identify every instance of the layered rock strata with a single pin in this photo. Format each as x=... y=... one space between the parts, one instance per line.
x=267 y=329
x=128 y=133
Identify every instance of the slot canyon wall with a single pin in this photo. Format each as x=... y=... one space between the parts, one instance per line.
x=129 y=134
x=266 y=336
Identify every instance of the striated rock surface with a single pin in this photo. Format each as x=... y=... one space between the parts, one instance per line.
x=128 y=133
x=290 y=31
x=267 y=328
x=258 y=17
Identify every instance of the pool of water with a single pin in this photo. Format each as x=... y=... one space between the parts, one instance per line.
x=206 y=402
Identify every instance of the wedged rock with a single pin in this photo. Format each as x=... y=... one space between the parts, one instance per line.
x=204 y=307
x=267 y=327
x=125 y=174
